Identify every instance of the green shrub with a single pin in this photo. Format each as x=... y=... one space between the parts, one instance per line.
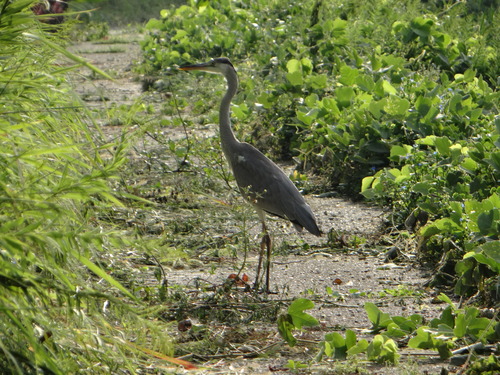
x=396 y=100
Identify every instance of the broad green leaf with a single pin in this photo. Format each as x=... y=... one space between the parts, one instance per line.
x=376 y=107
x=330 y=104
x=328 y=348
x=398 y=152
x=379 y=319
x=428 y=141
x=388 y=88
x=317 y=81
x=309 y=117
x=154 y=24
x=494 y=161
x=442 y=145
x=421 y=26
x=422 y=340
x=299 y=317
x=365 y=83
x=443 y=297
x=423 y=105
x=294 y=66
x=307 y=66
x=442 y=226
x=348 y=75
x=383 y=350
x=422 y=187
x=179 y=35
x=360 y=347
x=311 y=100
x=454 y=103
x=469 y=165
x=335 y=346
x=488 y=253
x=345 y=96
x=396 y=106
x=295 y=78
x=366 y=183
x=393 y=330
x=487 y=221
x=460 y=326
x=350 y=338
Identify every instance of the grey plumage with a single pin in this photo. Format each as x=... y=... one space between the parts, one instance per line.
x=260 y=181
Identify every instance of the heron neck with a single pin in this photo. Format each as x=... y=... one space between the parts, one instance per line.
x=226 y=133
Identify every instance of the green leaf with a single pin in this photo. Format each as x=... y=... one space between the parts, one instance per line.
x=348 y=75
x=309 y=117
x=443 y=297
x=494 y=161
x=460 y=326
x=469 y=165
x=350 y=338
x=379 y=319
x=422 y=340
x=442 y=145
x=383 y=350
x=443 y=226
x=488 y=253
x=330 y=104
x=294 y=66
x=335 y=346
x=421 y=26
x=360 y=347
x=317 y=81
x=366 y=183
x=299 y=317
x=295 y=78
x=344 y=96
x=423 y=105
x=486 y=221
x=307 y=65
x=396 y=106
x=422 y=188
x=388 y=88
x=285 y=327
x=365 y=83
x=376 y=107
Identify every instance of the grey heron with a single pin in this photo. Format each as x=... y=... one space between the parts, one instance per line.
x=260 y=181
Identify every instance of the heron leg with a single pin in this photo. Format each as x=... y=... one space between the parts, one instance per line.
x=263 y=245
x=259 y=265
x=267 y=240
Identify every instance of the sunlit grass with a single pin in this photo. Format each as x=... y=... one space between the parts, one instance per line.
x=60 y=310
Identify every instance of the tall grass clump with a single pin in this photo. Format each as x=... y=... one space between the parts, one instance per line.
x=59 y=312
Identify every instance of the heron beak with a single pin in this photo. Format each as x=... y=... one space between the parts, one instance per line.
x=202 y=66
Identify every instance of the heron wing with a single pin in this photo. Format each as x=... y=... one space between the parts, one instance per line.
x=265 y=185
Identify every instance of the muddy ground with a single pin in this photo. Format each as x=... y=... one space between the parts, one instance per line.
x=351 y=261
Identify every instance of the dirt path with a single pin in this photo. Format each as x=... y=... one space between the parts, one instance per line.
x=339 y=281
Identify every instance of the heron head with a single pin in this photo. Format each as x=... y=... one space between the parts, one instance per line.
x=218 y=65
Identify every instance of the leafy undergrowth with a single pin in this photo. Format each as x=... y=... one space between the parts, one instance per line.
x=394 y=101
